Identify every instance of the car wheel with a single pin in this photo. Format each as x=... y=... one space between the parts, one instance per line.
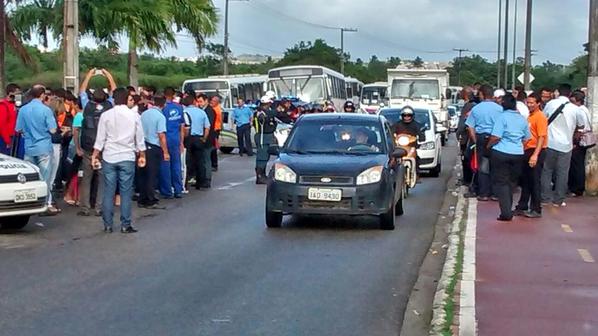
x=436 y=171
x=226 y=150
x=273 y=219
x=399 y=207
x=14 y=223
x=387 y=220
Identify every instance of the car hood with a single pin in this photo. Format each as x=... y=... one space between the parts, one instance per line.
x=333 y=165
x=11 y=166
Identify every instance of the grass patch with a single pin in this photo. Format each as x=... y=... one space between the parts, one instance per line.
x=449 y=304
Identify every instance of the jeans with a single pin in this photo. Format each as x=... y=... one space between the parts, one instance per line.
x=531 y=186
x=201 y=160
x=577 y=172
x=171 y=173
x=86 y=190
x=506 y=169
x=244 y=139
x=214 y=153
x=44 y=163
x=149 y=175
x=123 y=174
x=556 y=165
x=56 y=157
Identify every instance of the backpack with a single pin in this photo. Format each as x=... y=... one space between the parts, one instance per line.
x=89 y=126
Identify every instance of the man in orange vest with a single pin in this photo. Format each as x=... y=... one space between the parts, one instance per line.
x=215 y=104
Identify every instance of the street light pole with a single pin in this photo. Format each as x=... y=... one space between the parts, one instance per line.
x=225 y=54
x=498 y=60
x=528 y=46
x=513 y=78
x=71 y=45
x=343 y=30
x=592 y=165
x=459 y=64
x=506 y=51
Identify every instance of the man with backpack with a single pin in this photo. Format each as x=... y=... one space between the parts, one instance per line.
x=92 y=110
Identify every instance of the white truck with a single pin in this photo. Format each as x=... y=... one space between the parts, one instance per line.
x=423 y=87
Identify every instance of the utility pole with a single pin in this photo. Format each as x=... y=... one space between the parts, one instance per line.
x=343 y=30
x=592 y=165
x=498 y=60
x=225 y=54
x=506 y=51
x=71 y=45
x=513 y=78
x=528 y=46
x=459 y=64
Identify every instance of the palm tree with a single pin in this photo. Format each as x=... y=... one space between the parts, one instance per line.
x=38 y=17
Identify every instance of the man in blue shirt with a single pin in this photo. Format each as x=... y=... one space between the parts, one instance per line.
x=481 y=122
x=506 y=141
x=154 y=129
x=242 y=117
x=197 y=127
x=171 y=179
x=36 y=122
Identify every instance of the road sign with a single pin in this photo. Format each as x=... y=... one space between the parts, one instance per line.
x=522 y=75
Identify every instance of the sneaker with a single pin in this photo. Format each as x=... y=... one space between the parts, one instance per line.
x=155 y=207
x=483 y=199
x=130 y=229
x=518 y=213
x=83 y=213
x=185 y=192
x=504 y=219
x=561 y=205
x=533 y=214
x=108 y=230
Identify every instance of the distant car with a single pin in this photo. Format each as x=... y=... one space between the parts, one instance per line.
x=430 y=148
x=337 y=164
x=22 y=192
x=453 y=112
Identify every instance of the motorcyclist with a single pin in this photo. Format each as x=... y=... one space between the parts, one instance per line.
x=349 y=107
x=408 y=124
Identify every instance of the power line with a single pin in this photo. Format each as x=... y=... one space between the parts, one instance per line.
x=279 y=13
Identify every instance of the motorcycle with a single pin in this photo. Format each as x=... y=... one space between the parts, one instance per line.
x=409 y=143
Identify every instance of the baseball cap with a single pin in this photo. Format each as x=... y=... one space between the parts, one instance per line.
x=499 y=93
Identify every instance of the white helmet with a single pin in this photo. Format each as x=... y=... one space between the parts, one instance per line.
x=266 y=100
x=270 y=94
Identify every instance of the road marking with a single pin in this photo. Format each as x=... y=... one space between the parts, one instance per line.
x=231 y=185
x=586 y=256
x=467 y=316
x=566 y=228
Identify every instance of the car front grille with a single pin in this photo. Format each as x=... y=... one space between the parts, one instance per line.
x=15 y=178
x=12 y=206
x=305 y=203
x=426 y=161
x=334 y=180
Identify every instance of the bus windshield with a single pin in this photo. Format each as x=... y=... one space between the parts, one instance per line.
x=308 y=89
x=202 y=86
x=373 y=95
x=415 y=89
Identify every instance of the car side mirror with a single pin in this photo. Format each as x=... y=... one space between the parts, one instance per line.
x=273 y=150
x=399 y=153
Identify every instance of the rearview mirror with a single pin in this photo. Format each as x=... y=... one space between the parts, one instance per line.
x=399 y=153
x=273 y=150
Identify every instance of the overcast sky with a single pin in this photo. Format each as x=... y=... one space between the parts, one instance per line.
x=405 y=28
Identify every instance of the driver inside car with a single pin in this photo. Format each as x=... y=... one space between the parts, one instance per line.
x=362 y=136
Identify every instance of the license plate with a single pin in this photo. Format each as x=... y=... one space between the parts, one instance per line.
x=28 y=195
x=318 y=194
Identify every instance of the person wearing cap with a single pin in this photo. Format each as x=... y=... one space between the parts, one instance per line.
x=481 y=121
x=265 y=125
x=349 y=107
x=497 y=96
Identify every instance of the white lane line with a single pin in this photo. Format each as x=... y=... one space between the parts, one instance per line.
x=467 y=315
x=566 y=228
x=231 y=185
x=586 y=256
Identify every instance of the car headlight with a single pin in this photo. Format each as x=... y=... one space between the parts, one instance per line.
x=428 y=145
x=283 y=173
x=403 y=140
x=369 y=176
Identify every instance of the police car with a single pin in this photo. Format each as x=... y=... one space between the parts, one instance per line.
x=22 y=192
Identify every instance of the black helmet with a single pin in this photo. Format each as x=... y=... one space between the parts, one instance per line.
x=349 y=105
x=407 y=110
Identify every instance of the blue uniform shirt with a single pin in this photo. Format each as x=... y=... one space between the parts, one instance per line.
x=512 y=129
x=173 y=113
x=197 y=119
x=153 y=122
x=35 y=120
x=242 y=115
x=483 y=116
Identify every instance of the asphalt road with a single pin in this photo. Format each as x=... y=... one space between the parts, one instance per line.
x=208 y=266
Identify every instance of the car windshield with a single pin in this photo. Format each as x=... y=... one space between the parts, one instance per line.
x=373 y=95
x=415 y=89
x=394 y=116
x=308 y=89
x=337 y=137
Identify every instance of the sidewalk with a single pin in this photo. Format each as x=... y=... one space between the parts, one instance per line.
x=537 y=276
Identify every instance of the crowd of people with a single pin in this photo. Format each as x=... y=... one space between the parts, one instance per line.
x=537 y=142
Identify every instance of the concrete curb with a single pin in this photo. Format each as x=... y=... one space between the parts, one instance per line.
x=454 y=239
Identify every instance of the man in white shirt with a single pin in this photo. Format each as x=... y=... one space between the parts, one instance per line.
x=120 y=138
x=560 y=144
